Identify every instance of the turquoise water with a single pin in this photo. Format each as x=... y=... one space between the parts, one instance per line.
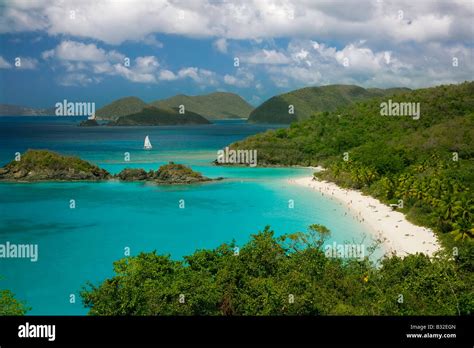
x=79 y=245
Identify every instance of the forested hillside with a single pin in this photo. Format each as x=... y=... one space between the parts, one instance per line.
x=120 y=107
x=213 y=106
x=427 y=162
x=302 y=103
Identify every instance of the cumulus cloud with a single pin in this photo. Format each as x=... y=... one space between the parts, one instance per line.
x=134 y=75
x=368 y=42
x=26 y=63
x=314 y=63
x=76 y=51
x=221 y=45
x=77 y=79
x=82 y=60
x=265 y=56
x=167 y=75
x=243 y=78
x=4 y=64
x=420 y=21
x=201 y=76
x=151 y=40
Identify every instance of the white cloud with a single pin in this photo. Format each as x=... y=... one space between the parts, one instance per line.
x=256 y=100
x=151 y=40
x=4 y=64
x=314 y=63
x=266 y=57
x=376 y=21
x=243 y=78
x=76 y=51
x=382 y=47
x=200 y=76
x=81 y=61
x=146 y=64
x=26 y=63
x=77 y=79
x=134 y=75
x=76 y=56
x=167 y=75
x=221 y=45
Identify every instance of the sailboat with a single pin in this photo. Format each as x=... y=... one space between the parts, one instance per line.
x=147 y=145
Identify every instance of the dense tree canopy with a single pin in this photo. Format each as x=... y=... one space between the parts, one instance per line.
x=11 y=306
x=287 y=275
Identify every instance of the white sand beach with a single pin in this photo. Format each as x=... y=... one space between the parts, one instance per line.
x=397 y=234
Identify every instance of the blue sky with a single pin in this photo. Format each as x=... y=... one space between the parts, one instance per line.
x=78 y=50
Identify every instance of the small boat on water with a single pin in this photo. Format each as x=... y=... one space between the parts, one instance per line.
x=147 y=144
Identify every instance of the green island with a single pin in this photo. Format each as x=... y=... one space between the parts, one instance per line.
x=88 y=123
x=213 y=106
x=306 y=101
x=153 y=116
x=120 y=107
x=170 y=173
x=44 y=165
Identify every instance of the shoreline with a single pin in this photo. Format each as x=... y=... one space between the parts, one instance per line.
x=397 y=234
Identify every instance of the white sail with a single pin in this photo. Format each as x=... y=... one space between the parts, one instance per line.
x=147 y=145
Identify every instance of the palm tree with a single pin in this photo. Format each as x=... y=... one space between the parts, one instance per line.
x=447 y=208
x=464 y=208
x=387 y=185
x=463 y=229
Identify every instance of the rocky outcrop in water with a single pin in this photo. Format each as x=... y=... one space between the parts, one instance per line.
x=44 y=165
x=89 y=123
x=170 y=173
x=132 y=174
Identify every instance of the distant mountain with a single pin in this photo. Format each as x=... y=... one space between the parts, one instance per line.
x=17 y=110
x=120 y=107
x=214 y=106
x=153 y=116
x=306 y=101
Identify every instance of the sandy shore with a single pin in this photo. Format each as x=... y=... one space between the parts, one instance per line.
x=391 y=227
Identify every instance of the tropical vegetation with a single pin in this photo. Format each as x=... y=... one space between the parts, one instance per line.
x=300 y=104
x=286 y=275
x=213 y=106
x=120 y=107
x=428 y=163
x=9 y=305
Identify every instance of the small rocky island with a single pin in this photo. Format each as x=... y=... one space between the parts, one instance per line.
x=44 y=165
x=88 y=123
x=170 y=173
